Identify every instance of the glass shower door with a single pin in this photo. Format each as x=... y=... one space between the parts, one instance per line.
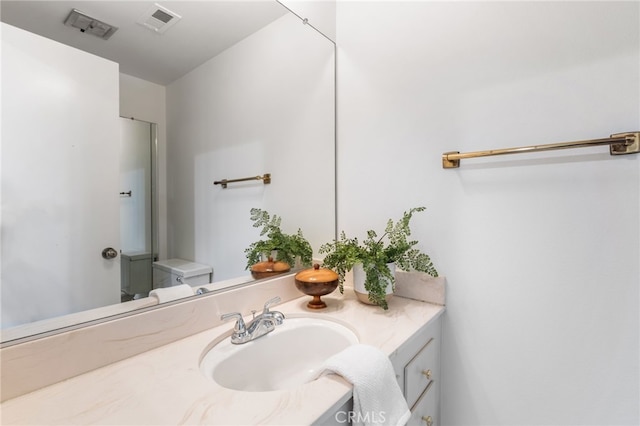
x=136 y=207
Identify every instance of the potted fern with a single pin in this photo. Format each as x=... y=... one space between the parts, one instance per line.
x=374 y=260
x=279 y=251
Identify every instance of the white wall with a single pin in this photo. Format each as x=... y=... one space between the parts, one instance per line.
x=146 y=101
x=263 y=106
x=541 y=252
x=60 y=139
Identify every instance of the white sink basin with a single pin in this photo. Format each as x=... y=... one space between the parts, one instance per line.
x=288 y=357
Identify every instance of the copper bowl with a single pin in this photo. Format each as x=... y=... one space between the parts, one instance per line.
x=269 y=268
x=316 y=282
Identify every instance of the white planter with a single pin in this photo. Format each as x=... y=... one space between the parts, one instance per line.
x=359 y=277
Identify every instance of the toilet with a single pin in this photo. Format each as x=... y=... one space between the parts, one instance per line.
x=170 y=272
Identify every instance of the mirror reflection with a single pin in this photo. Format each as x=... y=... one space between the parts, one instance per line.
x=138 y=227
x=80 y=183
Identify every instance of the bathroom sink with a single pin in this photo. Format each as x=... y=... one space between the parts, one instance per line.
x=288 y=357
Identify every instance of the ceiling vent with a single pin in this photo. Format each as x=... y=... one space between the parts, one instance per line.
x=89 y=25
x=159 y=19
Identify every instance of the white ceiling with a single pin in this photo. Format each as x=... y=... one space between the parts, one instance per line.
x=206 y=29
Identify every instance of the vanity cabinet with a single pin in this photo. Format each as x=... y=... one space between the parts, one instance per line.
x=417 y=367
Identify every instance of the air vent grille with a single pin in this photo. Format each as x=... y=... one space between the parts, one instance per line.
x=159 y=19
x=162 y=16
x=89 y=25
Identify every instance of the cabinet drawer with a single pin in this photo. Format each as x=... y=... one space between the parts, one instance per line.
x=425 y=412
x=421 y=371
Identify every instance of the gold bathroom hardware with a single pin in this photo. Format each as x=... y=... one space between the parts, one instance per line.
x=619 y=144
x=266 y=178
x=428 y=420
x=427 y=374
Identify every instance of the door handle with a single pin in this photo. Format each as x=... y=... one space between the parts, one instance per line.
x=109 y=253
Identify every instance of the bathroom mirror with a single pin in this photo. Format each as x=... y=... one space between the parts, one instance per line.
x=278 y=123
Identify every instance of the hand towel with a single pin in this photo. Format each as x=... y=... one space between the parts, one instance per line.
x=377 y=398
x=167 y=294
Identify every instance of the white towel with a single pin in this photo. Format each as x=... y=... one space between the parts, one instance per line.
x=167 y=294
x=377 y=398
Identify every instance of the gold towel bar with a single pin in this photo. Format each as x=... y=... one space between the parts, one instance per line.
x=266 y=178
x=619 y=144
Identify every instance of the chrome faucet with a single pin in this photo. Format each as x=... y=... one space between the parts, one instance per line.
x=259 y=325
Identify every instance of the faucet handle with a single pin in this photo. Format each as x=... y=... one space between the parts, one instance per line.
x=240 y=326
x=269 y=303
x=277 y=317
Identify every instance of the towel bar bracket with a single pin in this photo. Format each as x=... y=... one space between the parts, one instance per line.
x=631 y=145
x=448 y=163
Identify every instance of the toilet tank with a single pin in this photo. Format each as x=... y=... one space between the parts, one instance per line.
x=170 y=272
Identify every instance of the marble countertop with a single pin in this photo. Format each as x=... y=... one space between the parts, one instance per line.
x=165 y=386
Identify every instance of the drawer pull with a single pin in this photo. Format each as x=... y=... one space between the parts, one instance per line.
x=428 y=420
x=427 y=373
